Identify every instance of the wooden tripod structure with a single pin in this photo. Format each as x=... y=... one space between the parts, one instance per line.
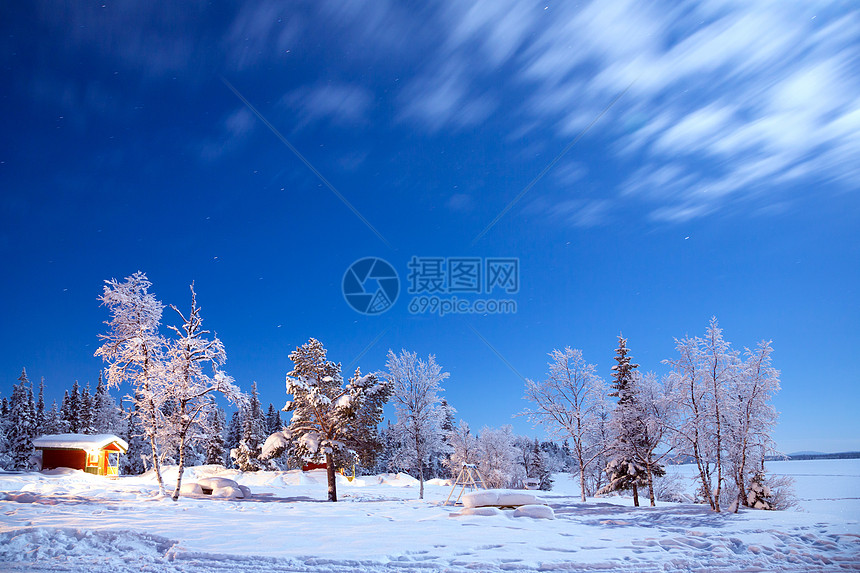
x=470 y=477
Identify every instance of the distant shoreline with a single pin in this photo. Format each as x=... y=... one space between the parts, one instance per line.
x=836 y=456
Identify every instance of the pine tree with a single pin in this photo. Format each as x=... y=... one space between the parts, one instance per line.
x=107 y=416
x=65 y=414
x=86 y=412
x=134 y=462
x=758 y=495
x=5 y=458
x=234 y=431
x=324 y=408
x=214 y=439
x=539 y=469
x=21 y=425
x=273 y=420
x=40 y=410
x=31 y=412
x=252 y=434
x=74 y=410
x=52 y=423
x=623 y=470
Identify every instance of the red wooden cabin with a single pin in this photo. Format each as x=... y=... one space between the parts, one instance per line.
x=97 y=454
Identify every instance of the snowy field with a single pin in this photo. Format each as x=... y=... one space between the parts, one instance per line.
x=79 y=522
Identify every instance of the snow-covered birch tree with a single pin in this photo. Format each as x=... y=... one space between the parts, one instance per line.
x=568 y=404
x=464 y=448
x=189 y=382
x=134 y=351
x=724 y=413
x=418 y=430
x=498 y=457
x=751 y=418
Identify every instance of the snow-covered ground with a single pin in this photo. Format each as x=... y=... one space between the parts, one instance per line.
x=75 y=521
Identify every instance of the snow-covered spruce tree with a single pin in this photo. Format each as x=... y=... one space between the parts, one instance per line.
x=40 y=410
x=323 y=407
x=189 y=382
x=107 y=416
x=21 y=424
x=213 y=439
x=134 y=462
x=85 y=417
x=134 y=351
x=624 y=470
x=273 y=420
x=498 y=457
x=568 y=404
x=65 y=427
x=71 y=410
x=758 y=494
x=540 y=467
x=418 y=429
x=246 y=454
x=385 y=458
x=233 y=434
x=5 y=458
x=52 y=423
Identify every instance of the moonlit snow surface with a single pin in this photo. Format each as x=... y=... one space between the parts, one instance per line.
x=71 y=521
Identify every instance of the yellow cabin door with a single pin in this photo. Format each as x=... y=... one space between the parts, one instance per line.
x=111 y=463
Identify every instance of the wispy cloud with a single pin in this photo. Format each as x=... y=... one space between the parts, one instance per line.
x=730 y=101
x=232 y=132
x=340 y=103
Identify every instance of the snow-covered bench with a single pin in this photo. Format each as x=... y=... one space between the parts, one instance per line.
x=492 y=501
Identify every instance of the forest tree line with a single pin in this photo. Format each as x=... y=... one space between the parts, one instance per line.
x=713 y=408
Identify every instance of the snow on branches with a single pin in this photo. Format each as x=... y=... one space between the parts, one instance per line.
x=418 y=431
x=172 y=380
x=326 y=413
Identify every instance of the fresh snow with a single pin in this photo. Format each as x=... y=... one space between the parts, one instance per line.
x=78 y=441
x=67 y=520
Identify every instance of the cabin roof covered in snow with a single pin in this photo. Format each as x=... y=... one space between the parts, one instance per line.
x=79 y=442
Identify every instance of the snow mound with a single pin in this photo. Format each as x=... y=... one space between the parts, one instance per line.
x=214 y=483
x=438 y=481
x=191 y=488
x=398 y=480
x=535 y=511
x=499 y=497
x=228 y=492
x=484 y=511
x=223 y=487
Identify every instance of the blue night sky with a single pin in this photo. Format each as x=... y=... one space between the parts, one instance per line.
x=723 y=180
